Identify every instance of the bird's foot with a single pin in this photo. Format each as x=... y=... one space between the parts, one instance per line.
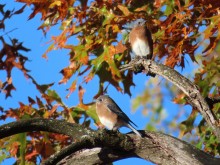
x=138 y=68
x=104 y=131
x=137 y=58
x=115 y=131
x=100 y=126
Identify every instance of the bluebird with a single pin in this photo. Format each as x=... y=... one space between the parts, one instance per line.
x=141 y=40
x=111 y=115
x=141 y=43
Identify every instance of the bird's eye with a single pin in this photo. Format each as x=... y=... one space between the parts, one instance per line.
x=100 y=99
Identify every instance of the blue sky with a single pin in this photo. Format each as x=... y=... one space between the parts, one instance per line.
x=47 y=71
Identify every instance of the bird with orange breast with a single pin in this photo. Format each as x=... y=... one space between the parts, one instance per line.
x=141 y=41
x=111 y=115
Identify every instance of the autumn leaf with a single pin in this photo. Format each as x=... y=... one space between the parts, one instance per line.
x=124 y=9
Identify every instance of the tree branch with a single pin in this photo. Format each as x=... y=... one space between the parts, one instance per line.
x=101 y=147
x=102 y=138
x=185 y=85
x=54 y=159
x=159 y=149
x=49 y=125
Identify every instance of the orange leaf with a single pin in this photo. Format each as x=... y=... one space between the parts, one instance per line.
x=120 y=48
x=142 y=8
x=68 y=72
x=14 y=149
x=31 y=155
x=125 y=10
x=72 y=88
x=54 y=108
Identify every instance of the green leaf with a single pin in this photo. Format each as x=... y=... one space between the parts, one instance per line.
x=169 y=10
x=52 y=94
x=91 y=112
x=98 y=62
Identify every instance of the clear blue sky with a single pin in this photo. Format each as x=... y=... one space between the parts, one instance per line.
x=48 y=71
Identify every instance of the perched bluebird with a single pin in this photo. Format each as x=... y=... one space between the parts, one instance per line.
x=141 y=40
x=111 y=116
x=141 y=43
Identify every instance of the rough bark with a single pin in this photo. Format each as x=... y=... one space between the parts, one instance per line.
x=185 y=85
x=162 y=149
x=101 y=147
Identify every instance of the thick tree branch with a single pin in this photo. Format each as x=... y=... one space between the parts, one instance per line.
x=49 y=125
x=185 y=85
x=101 y=138
x=101 y=147
x=54 y=159
x=159 y=149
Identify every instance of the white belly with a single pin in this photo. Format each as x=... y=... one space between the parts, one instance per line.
x=106 y=123
x=141 y=48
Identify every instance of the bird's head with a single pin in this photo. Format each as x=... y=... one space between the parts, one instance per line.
x=102 y=99
x=139 y=22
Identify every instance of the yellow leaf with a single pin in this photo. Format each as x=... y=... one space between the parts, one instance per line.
x=56 y=3
x=125 y=10
x=143 y=8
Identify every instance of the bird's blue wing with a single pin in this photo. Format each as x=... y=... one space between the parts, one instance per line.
x=116 y=109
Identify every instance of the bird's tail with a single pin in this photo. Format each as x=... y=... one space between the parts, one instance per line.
x=134 y=130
